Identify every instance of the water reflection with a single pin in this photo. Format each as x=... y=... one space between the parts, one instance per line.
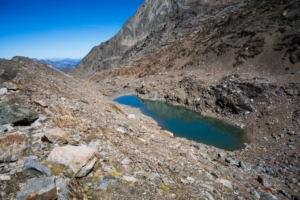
x=186 y=123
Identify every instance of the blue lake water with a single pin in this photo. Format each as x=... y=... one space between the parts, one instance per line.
x=189 y=124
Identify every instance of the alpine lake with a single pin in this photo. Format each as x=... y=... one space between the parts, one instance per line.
x=189 y=124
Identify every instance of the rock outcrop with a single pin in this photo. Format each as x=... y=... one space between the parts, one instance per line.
x=152 y=15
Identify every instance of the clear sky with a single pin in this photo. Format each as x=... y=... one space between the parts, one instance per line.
x=59 y=28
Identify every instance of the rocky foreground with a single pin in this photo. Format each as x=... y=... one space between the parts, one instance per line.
x=63 y=138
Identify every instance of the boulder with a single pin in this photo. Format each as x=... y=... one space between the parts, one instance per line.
x=16 y=115
x=12 y=147
x=80 y=159
x=57 y=136
x=32 y=165
x=38 y=189
x=68 y=189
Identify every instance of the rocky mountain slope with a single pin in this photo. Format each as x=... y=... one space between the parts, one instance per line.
x=64 y=65
x=237 y=62
x=151 y=16
x=59 y=140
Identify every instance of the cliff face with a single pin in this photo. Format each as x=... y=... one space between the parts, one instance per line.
x=151 y=16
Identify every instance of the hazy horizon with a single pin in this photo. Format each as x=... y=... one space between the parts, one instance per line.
x=59 y=29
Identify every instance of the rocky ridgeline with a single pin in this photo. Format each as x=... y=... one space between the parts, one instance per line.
x=61 y=138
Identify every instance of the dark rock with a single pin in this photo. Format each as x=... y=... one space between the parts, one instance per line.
x=232 y=161
x=294 y=197
x=258 y=169
x=284 y=193
x=17 y=115
x=263 y=181
x=222 y=155
x=242 y=165
x=31 y=165
x=38 y=188
x=267 y=196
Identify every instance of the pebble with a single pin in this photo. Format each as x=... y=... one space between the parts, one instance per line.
x=3 y=91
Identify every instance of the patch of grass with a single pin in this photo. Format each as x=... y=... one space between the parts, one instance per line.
x=164 y=188
x=114 y=173
x=55 y=169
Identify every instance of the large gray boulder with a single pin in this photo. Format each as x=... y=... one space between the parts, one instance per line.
x=39 y=189
x=12 y=114
x=34 y=166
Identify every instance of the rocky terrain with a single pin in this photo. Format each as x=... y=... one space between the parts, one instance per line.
x=59 y=140
x=64 y=138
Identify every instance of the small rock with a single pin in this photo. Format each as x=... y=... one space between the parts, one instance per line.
x=222 y=155
x=225 y=182
x=3 y=129
x=41 y=103
x=232 y=161
x=258 y=169
x=57 y=136
x=263 y=181
x=12 y=147
x=11 y=86
x=131 y=116
x=3 y=91
x=129 y=179
x=153 y=176
x=169 y=133
x=31 y=165
x=105 y=182
x=243 y=166
x=16 y=115
x=5 y=177
x=126 y=161
x=291 y=132
x=267 y=196
x=80 y=159
x=38 y=188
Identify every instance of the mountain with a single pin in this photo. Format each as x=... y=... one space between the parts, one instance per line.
x=64 y=64
x=152 y=16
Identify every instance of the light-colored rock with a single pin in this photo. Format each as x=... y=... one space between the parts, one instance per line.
x=41 y=103
x=129 y=179
x=4 y=177
x=225 y=182
x=57 y=136
x=169 y=133
x=12 y=147
x=11 y=85
x=3 y=91
x=131 y=116
x=38 y=188
x=80 y=159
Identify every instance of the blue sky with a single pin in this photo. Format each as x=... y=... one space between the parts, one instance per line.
x=59 y=28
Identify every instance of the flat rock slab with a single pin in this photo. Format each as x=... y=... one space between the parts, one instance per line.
x=38 y=188
x=57 y=136
x=12 y=114
x=32 y=165
x=12 y=147
x=80 y=159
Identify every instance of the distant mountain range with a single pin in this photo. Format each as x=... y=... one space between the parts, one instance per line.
x=64 y=64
